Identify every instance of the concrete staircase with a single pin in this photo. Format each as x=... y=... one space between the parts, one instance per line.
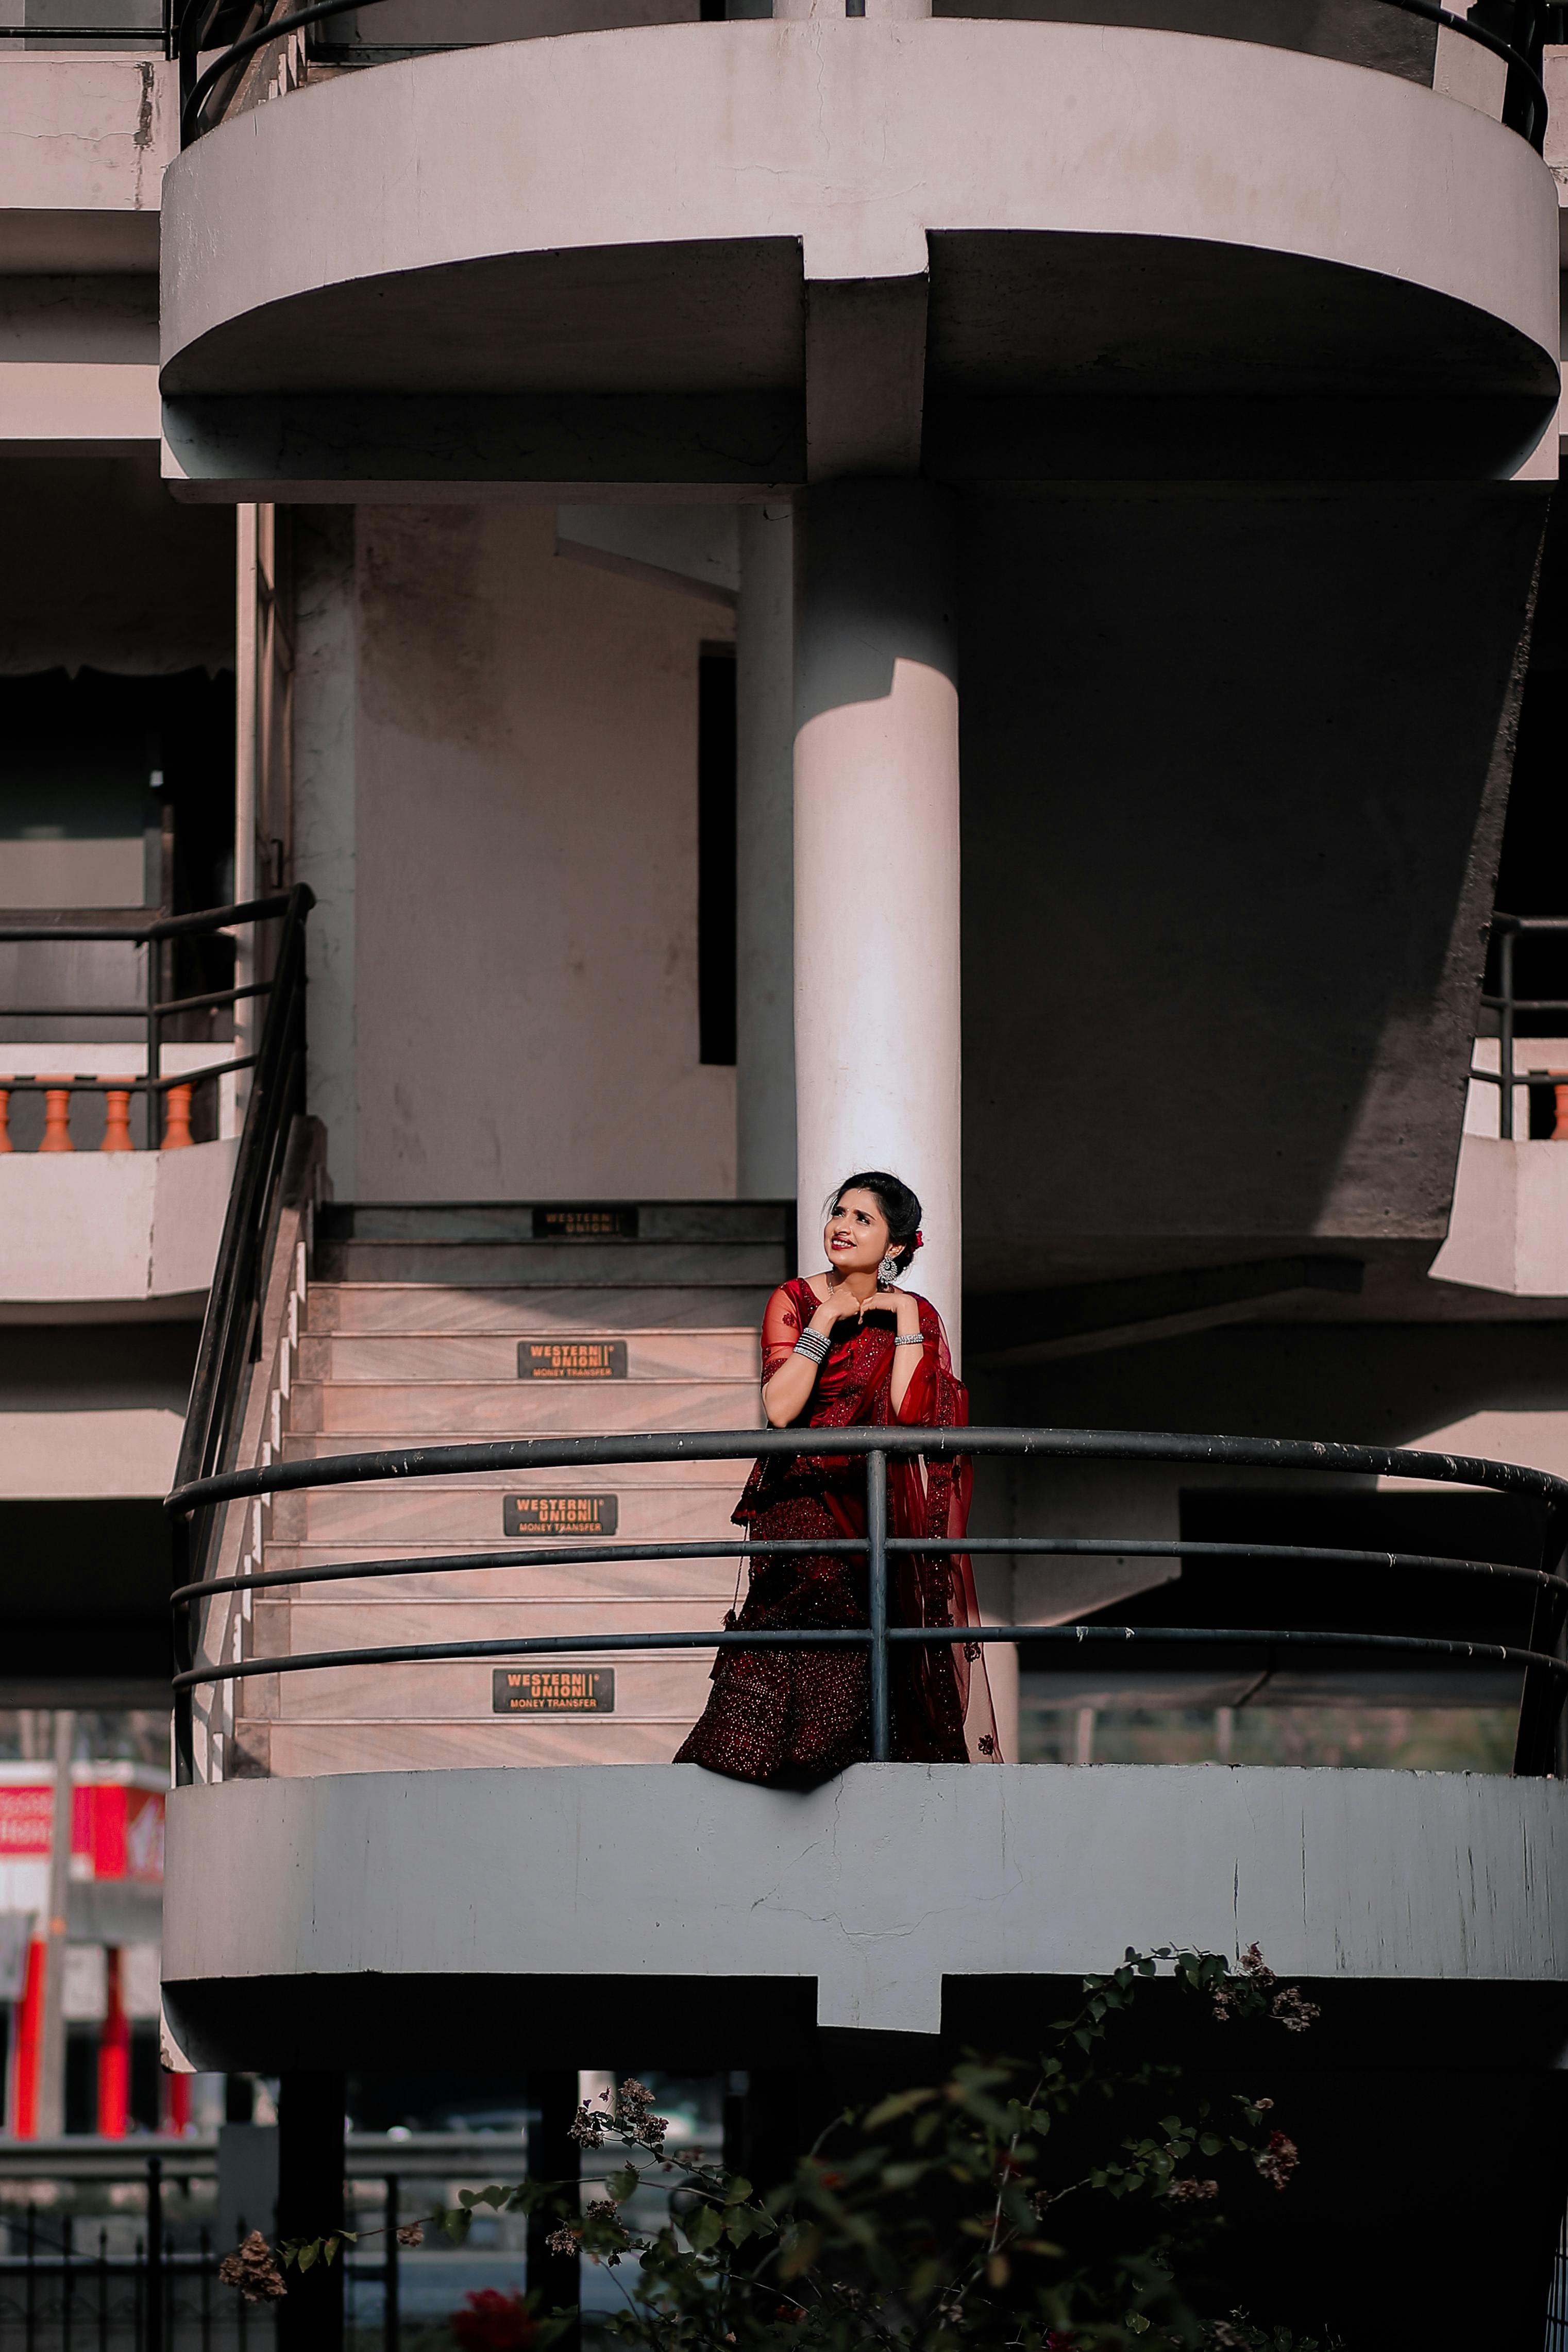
x=416 y=1322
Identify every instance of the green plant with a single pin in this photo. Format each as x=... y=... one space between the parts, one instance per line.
x=1057 y=2204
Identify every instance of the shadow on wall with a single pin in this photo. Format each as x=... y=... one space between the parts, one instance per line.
x=1235 y=769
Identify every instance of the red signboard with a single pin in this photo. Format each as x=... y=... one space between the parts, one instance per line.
x=119 y=1830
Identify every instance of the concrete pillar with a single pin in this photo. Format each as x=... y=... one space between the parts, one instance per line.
x=876 y=859
x=310 y=2205
x=765 y=883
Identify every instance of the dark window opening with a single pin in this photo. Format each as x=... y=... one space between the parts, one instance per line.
x=716 y=854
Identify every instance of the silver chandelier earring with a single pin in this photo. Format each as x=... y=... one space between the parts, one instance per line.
x=886 y=1271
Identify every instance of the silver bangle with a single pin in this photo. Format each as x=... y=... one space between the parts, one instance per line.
x=910 y=1340
x=813 y=1345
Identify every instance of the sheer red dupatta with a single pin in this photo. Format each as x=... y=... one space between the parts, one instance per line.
x=941 y=1699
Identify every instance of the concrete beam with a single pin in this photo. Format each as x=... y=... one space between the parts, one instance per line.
x=866 y=375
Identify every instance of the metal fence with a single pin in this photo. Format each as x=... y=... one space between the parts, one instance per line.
x=1536 y=1596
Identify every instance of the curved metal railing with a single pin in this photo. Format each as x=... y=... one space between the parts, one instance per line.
x=1525 y=105
x=1544 y=1671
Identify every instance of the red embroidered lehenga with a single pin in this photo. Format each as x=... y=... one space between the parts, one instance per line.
x=795 y=1716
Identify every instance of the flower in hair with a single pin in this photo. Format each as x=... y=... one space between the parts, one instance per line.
x=919 y=1241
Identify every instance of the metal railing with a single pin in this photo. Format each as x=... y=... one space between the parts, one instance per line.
x=198 y=1501
x=149 y=2281
x=157 y=1009
x=191 y=23
x=1508 y=930
x=234 y=1303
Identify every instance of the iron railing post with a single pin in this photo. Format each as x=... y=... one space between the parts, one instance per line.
x=184 y=1653
x=1535 y=1754
x=154 y=1041
x=876 y=1568
x=153 y=2333
x=1505 y=1038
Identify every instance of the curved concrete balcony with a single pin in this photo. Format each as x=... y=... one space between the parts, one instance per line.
x=304 y=1919
x=730 y=258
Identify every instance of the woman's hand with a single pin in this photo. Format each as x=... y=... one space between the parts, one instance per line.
x=841 y=1306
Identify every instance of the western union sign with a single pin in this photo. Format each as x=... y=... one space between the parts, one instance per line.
x=560 y=1514
x=572 y=1360
x=553 y=1690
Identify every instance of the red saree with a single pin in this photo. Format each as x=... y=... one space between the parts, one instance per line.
x=792 y=1717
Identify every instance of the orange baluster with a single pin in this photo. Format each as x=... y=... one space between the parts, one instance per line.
x=117 y=1121
x=57 y=1116
x=177 y=1132
x=5 y=1142
x=1560 y=1132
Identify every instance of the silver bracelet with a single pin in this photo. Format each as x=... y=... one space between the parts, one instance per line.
x=813 y=1345
x=910 y=1340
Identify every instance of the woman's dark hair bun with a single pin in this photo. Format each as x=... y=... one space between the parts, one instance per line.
x=898 y=1204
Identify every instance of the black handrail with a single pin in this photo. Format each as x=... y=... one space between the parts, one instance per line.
x=223 y=1356
x=154 y=1011
x=195 y=20
x=1544 y=1673
x=1506 y=1003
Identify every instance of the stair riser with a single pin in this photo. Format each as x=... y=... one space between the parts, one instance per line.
x=663 y=1222
x=382 y=1522
x=354 y=1513
x=371 y=1308
x=299 y=1751
x=613 y=1264
x=282 y=1629
x=647 y=1690
x=414 y=1356
x=522 y=1408
x=706 y=1583
x=321 y=1446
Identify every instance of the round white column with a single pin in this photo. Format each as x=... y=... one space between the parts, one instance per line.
x=877 y=1054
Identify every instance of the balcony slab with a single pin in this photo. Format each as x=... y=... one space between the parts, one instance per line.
x=298 y=1906
x=672 y=255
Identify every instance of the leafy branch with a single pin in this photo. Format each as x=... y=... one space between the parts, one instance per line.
x=1047 y=2206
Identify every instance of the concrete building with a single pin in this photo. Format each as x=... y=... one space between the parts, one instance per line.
x=745 y=594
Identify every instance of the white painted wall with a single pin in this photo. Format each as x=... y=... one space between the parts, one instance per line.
x=1038 y=1869
x=1507 y=1230
x=83 y=146
x=111 y=1226
x=525 y=892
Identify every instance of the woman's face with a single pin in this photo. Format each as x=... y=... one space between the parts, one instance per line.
x=855 y=1236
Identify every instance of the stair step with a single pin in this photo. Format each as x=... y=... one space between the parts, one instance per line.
x=453 y=1517
x=620 y=1221
x=443 y=1355
x=301 y=1750
x=615 y=1265
x=281 y=1629
x=318 y=1445
x=377 y=1307
x=473 y=1409
x=535 y=1578
x=649 y=1688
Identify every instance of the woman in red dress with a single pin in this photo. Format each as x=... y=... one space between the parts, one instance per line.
x=847 y=1347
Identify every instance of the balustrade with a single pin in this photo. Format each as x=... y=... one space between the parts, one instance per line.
x=58 y=1092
